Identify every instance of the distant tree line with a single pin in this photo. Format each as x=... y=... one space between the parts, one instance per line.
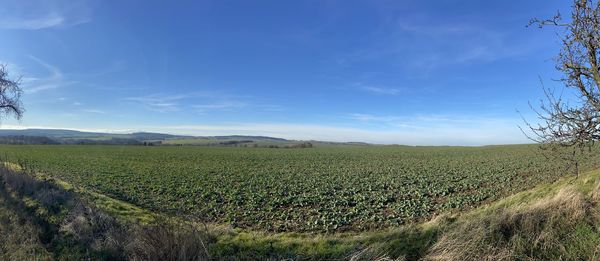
x=112 y=141
x=248 y=144
x=234 y=142
x=303 y=145
x=41 y=140
x=152 y=143
x=27 y=140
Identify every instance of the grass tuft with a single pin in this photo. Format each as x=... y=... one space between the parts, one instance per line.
x=558 y=227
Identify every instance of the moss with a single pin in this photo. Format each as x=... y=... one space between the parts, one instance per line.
x=117 y=208
x=121 y=209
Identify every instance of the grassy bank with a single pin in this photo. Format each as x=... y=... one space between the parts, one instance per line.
x=47 y=220
x=51 y=219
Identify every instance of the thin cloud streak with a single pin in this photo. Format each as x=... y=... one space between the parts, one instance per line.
x=48 y=21
x=158 y=102
x=440 y=45
x=55 y=79
x=200 y=102
x=38 y=15
x=385 y=91
x=219 y=106
x=425 y=121
x=96 y=111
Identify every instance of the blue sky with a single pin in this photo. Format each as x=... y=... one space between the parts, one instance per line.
x=441 y=72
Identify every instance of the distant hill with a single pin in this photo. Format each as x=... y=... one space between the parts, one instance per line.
x=22 y=140
x=61 y=136
x=154 y=136
x=51 y=133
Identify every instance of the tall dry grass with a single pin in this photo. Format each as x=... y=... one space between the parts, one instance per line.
x=72 y=228
x=563 y=227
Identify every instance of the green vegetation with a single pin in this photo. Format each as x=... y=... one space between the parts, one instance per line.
x=64 y=220
x=559 y=221
x=42 y=219
x=19 y=240
x=323 y=189
x=556 y=221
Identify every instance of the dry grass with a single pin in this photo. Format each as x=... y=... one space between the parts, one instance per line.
x=41 y=220
x=373 y=253
x=95 y=230
x=562 y=226
x=18 y=237
x=595 y=194
x=168 y=242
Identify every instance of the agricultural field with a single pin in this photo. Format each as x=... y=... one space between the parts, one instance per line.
x=321 y=189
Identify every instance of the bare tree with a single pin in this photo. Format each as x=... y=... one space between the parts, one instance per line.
x=568 y=127
x=10 y=95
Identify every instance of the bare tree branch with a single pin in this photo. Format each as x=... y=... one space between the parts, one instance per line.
x=10 y=95
x=569 y=130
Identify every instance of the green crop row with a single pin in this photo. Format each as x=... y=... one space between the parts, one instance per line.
x=324 y=189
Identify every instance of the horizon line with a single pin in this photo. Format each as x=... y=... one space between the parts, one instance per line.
x=173 y=131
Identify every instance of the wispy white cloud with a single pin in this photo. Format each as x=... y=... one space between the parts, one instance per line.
x=269 y=107
x=95 y=111
x=380 y=90
x=227 y=105
x=50 y=20
x=492 y=125
x=200 y=102
x=446 y=44
x=54 y=79
x=38 y=14
x=374 y=118
x=159 y=102
x=425 y=46
x=33 y=83
x=427 y=120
